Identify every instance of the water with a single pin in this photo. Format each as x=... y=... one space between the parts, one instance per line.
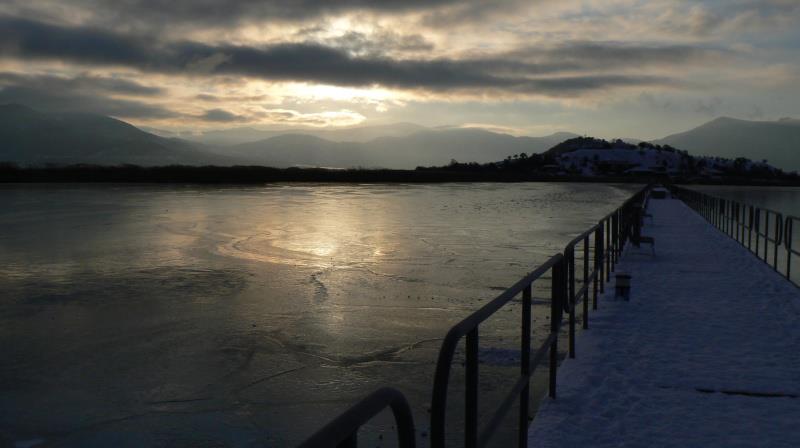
x=233 y=316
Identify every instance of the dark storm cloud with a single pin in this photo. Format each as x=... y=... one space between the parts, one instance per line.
x=608 y=54
x=84 y=83
x=80 y=94
x=88 y=45
x=209 y=98
x=236 y=10
x=569 y=85
x=221 y=116
x=228 y=12
x=379 y=43
x=53 y=101
x=311 y=62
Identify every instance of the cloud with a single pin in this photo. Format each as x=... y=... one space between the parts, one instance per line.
x=83 y=93
x=267 y=115
x=470 y=60
x=380 y=41
x=471 y=12
x=653 y=102
x=60 y=101
x=207 y=64
x=83 y=83
x=708 y=107
x=328 y=118
x=81 y=44
x=229 y=12
x=221 y=116
x=517 y=72
x=210 y=98
x=610 y=54
x=755 y=113
x=726 y=18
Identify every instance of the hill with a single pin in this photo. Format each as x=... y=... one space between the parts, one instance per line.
x=238 y=136
x=428 y=147
x=776 y=141
x=30 y=137
x=593 y=158
x=290 y=150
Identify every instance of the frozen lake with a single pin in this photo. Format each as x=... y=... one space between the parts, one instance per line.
x=249 y=316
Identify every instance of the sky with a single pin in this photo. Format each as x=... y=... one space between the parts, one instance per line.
x=607 y=68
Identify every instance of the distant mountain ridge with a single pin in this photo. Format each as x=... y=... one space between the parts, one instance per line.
x=776 y=141
x=238 y=136
x=31 y=137
x=423 y=148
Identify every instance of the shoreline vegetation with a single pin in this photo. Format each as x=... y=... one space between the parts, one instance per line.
x=579 y=159
x=81 y=173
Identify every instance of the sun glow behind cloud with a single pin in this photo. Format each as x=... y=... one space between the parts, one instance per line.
x=515 y=65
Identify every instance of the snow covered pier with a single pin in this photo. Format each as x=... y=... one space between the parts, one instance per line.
x=705 y=353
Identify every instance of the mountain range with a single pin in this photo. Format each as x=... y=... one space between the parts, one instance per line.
x=422 y=148
x=237 y=136
x=30 y=137
x=778 y=142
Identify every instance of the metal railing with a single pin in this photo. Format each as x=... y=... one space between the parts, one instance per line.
x=342 y=432
x=600 y=248
x=469 y=328
x=766 y=233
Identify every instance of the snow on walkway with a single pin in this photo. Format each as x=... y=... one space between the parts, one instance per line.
x=705 y=316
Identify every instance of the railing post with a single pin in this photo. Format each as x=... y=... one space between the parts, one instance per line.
x=342 y=431
x=778 y=239
x=742 y=222
x=787 y=235
x=614 y=239
x=725 y=221
x=607 y=250
x=757 y=228
x=525 y=366
x=600 y=256
x=586 y=282
x=727 y=217
x=571 y=298
x=471 y=391
x=750 y=228
x=555 y=318
x=598 y=264
x=766 y=238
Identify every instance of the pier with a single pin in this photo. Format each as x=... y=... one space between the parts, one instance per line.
x=703 y=354
x=702 y=351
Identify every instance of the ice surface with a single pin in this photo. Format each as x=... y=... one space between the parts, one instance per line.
x=190 y=316
x=704 y=354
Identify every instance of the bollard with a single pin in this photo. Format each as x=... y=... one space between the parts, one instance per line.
x=623 y=286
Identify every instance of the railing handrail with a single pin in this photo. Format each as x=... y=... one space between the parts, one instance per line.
x=583 y=235
x=565 y=296
x=462 y=329
x=778 y=237
x=610 y=234
x=724 y=213
x=341 y=431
